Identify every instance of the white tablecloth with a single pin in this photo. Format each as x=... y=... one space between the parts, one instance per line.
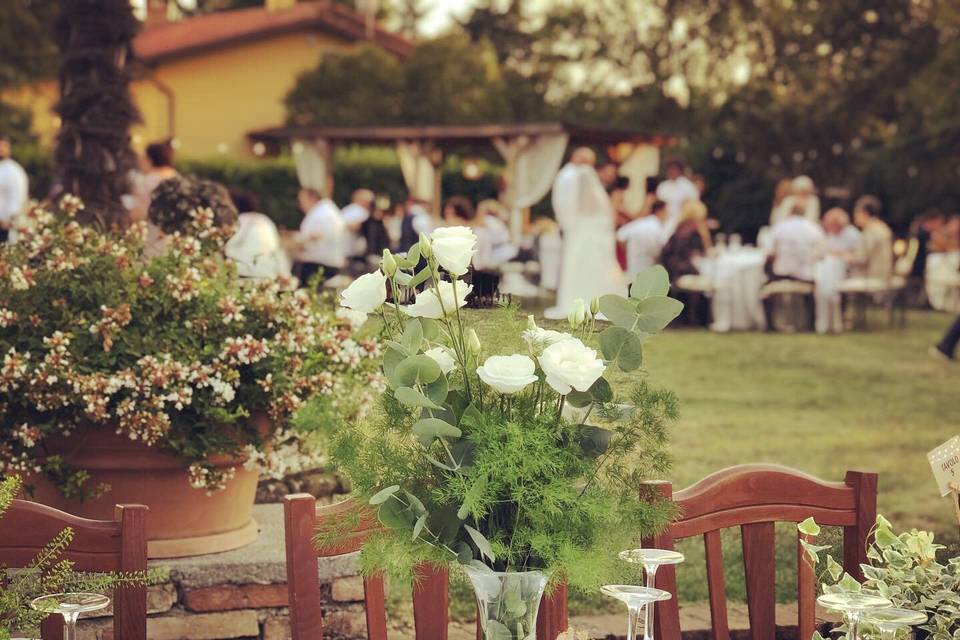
x=943 y=281
x=736 y=277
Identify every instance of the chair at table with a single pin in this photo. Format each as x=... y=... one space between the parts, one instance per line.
x=98 y=546
x=754 y=498
x=302 y=518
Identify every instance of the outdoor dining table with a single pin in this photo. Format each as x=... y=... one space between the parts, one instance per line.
x=736 y=276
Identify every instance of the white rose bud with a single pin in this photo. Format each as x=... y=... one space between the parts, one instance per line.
x=441 y=355
x=424 y=244
x=366 y=293
x=595 y=306
x=569 y=364
x=578 y=313
x=453 y=248
x=473 y=342
x=427 y=304
x=389 y=264
x=531 y=323
x=508 y=374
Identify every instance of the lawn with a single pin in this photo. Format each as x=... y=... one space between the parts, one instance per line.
x=823 y=404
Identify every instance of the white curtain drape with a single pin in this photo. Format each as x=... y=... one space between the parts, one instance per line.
x=532 y=164
x=418 y=171
x=311 y=158
x=642 y=163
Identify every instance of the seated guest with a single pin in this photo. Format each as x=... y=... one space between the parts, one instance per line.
x=644 y=238
x=416 y=220
x=494 y=246
x=689 y=241
x=354 y=215
x=841 y=245
x=459 y=211
x=321 y=236
x=795 y=246
x=803 y=194
x=375 y=231
x=676 y=191
x=875 y=260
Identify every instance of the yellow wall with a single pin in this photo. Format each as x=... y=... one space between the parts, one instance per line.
x=218 y=96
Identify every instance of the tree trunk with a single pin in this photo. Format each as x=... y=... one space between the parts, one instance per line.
x=93 y=156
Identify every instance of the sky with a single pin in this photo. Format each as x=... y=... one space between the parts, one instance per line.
x=441 y=14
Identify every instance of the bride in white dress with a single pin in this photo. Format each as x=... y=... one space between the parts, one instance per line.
x=589 y=266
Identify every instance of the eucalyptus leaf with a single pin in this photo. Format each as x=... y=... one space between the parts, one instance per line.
x=435 y=428
x=415 y=505
x=496 y=630
x=419 y=525
x=482 y=544
x=445 y=525
x=431 y=329
x=395 y=515
x=418 y=369
x=623 y=346
x=413 y=398
x=412 y=337
x=656 y=312
x=579 y=399
x=619 y=310
x=437 y=390
x=384 y=494
x=600 y=391
x=422 y=276
x=594 y=440
x=652 y=281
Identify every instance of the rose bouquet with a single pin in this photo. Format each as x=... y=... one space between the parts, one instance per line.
x=518 y=465
x=172 y=350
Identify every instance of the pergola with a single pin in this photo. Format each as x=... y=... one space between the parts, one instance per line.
x=533 y=153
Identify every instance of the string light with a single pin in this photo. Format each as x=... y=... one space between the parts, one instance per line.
x=837 y=148
x=259 y=148
x=717 y=153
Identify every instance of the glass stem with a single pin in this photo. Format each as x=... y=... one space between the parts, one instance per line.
x=633 y=622
x=649 y=608
x=70 y=625
x=853 y=624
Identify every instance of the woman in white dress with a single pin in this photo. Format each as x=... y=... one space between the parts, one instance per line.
x=589 y=266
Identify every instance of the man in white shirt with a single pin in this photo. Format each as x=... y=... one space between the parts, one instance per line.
x=675 y=192
x=14 y=189
x=795 y=245
x=354 y=215
x=644 y=238
x=321 y=236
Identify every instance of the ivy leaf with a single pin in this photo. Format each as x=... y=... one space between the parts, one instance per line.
x=383 y=495
x=809 y=527
x=652 y=281
x=413 y=398
x=619 y=310
x=656 y=312
x=482 y=544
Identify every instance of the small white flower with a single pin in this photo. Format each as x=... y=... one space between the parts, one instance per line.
x=366 y=293
x=508 y=374
x=354 y=318
x=428 y=303
x=454 y=248
x=570 y=364
x=538 y=338
x=441 y=355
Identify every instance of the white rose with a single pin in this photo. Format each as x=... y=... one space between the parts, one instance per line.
x=366 y=293
x=441 y=355
x=354 y=318
x=427 y=303
x=570 y=364
x=508 y=374
x=578 y=313
x=539 y=339
x=454 y=248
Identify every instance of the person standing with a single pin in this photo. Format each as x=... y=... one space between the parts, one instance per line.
x=876 y=258
x=644 y=239
x=841 y=245
x=321 y=236
x=675 y=192
x=354 y=216
x=14 y=189
x=803 y=194
x=585 y=214
x=159 y=167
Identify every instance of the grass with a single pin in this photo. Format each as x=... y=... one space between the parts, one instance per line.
x=822 y=404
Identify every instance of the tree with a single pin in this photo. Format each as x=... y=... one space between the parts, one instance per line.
x=93 y=155
x=26 y=53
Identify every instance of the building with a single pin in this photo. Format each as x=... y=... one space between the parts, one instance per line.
x=206 y=81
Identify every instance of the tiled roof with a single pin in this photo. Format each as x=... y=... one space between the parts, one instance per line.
x=165 y=41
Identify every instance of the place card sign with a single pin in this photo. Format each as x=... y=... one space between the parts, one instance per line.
x=945 y=462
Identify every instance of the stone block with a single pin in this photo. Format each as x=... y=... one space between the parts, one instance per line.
x=277 y=628
x=180 y=626
x=349 y=589
x=227 y=597
x=348 y=622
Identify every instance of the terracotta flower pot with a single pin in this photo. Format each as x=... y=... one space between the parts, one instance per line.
x=182 y=521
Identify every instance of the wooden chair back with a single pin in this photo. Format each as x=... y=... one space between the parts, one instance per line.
x=302 y=519
x=98 y=546
x=755 y=497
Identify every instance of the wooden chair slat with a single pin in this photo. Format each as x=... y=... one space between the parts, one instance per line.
x=666 y=623
x=375 y=602
x=760 y=570
x=431 y=602
x=864 y=486
x=552 y=619
x=716 y=585
x=688 y=528
x=806 y=592
x=303 y=578
x=97 y=546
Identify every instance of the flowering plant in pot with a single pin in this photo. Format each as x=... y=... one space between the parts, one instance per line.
x=117 y=368
x=522 y=467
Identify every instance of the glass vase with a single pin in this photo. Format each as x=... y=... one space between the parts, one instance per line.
x=508 y=602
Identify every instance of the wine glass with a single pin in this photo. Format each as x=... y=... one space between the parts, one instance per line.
x=651 y=559
x=70 y=606
x=889 y=621
x=636 y=598
x=852 y=606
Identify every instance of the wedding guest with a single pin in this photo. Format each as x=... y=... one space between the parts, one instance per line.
x=841 y=245
x=876 y=251
x=459 y=211
x=644 y=238
x=676 y=191
x=803 y=195
x=321 y=237
x=780 y=193
x=158 y=167
x=494 y=245
x=618 y=192
x=354 y=215
x=946 y=349
x=689 y=242
x=374 y=231
x=795 y=246
x=416 y=220
x=14 y=189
